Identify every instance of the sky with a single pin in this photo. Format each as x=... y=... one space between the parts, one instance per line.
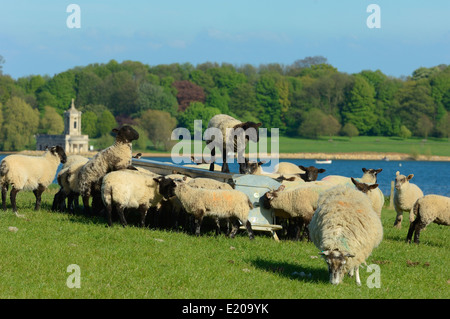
x=35 y=37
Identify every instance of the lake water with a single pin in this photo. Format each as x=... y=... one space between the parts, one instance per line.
x=431 y=177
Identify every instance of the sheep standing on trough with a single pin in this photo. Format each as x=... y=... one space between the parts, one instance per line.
x=116 y=157
x=346 y=229
x=220 y=203
x=234 y=134
x=405 y=196
x=130 y=189
x=34 y=173
x=428 y=209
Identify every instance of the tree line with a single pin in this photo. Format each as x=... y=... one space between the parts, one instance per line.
x=309 y=98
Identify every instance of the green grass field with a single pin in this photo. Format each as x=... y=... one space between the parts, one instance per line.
x=142 y=263
x=339 y=144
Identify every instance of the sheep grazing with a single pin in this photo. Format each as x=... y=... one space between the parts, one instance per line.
x=116 y=157
x=346 y=229
x=405 y=196
x=220 y=203
x=130 y=189
x=428 y=209
x=235 y=137
x=29 y=173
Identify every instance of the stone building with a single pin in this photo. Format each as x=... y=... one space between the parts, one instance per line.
x=72 y=140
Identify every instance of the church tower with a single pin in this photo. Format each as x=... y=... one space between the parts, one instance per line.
x=72 y=121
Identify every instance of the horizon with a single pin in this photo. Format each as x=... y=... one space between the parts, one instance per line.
x=38 y=38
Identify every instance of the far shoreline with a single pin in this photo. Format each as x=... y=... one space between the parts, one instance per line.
x=361 y=156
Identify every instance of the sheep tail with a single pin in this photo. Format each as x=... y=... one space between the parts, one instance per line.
x=249 y=203
x=414 y=212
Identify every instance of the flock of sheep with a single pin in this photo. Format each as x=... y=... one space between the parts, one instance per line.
x=340 y=215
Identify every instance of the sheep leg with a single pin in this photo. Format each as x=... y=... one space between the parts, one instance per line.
x=417 y=229
x=412 y=227
x=213 y=154
x=249 y=230
x=234 y=227
x=109 y=214
x=198 y=224
x=120 y=210
x=225 y=168
x=37 y=193
x=143 y=210
x=12 y=197
x=70 y=202
x=398 y=219
x=217 y=226
x=86 y=208
x=358 y=280
x=4 y=193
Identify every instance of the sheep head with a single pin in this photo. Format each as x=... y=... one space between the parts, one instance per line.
x=126 y=134
x=253 y=133
x=373 y=172
x=270 y=195
x=249 y=167
x=402 y=180
x=365 y=188
x=59 y=151
x=311 y=173
x=336 y=261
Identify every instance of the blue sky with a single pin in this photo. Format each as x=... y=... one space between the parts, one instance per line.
x=34 y=37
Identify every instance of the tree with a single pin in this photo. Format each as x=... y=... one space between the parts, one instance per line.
x=188 y=92
x=424 y=126
x=312 y=124
x=51 y=122
x=269 y=99
x=405 y=132
x=196 y=111
x=443 y=126
x=330 y=126
x=350 y=130
x=360 y=107
x=159 y=126
x=106 y=122
x=89 y=123
x=20 y=123
x=155 y=97
x=2 y=61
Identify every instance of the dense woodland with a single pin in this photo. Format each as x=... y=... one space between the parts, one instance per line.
x=309 y=98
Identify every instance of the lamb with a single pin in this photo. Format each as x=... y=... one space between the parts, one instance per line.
x=34 y=173
x=373 y=192
x=405 y=196
x=219 y=203
x=234 y=138
x=298 y=203
x=369 y=177
x=130 y=189
x=308 y=174
x=346 y=229
x=428 y=209
x=116 y=157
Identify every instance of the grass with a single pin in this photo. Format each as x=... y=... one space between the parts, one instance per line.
x=140 y=263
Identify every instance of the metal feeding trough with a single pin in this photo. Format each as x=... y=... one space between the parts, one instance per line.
x=254 y=186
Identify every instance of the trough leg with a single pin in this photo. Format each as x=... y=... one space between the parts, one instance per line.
x=12 y=197
x=4 y=193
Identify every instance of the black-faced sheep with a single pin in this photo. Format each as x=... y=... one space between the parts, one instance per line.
x=428 y=209
x=116 y=157
x=34 y=173
x=234 y=136
x=405 y=196
x=346 y=229
x=220 y=203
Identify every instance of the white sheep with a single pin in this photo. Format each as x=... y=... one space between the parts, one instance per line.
x=220 y=203
x=296 y=203
x=346 y=229
x=130 y=189
x=116 y=157
x=34 y=173
x=229 y=127
x=287 y=168
x=428 y=209
x=405 y=196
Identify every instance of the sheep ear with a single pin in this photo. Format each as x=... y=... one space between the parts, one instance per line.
x=158 y=179
x=410 y=176
x=354 y=181
x=324 y=253
x=114 y=130
x=364 y=170
x=348 y=255
x=321 y=170
x=261 y=163
x=373 y=186
x=282 y=187
x=184 y=178
x=302 y=168
x=397 y=173
x=379 y=170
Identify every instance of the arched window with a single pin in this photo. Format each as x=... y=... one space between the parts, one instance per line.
x=75 y=124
